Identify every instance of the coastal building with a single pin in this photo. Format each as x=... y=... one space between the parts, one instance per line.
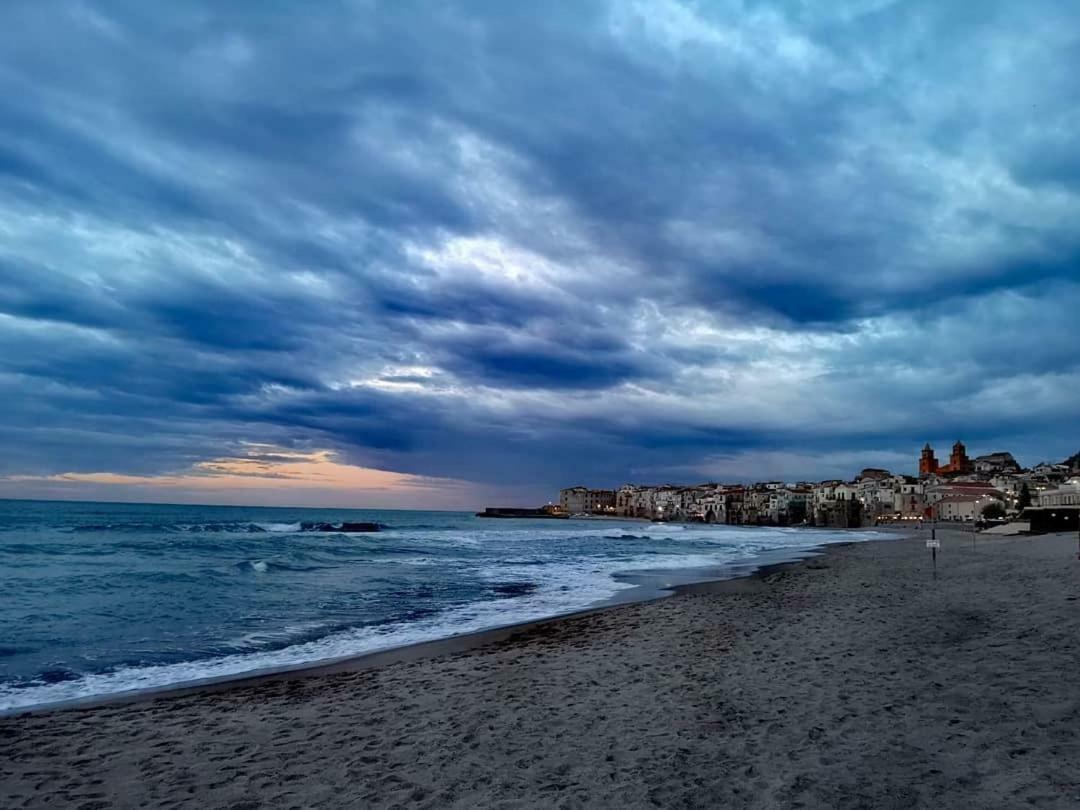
x=909 y=499
x=572 y=500
x=963 y=507
x=936 y=494
x=735 y=501
x=666 y=501
x=788 y=506
x=1009 y=483
x=829 y=491
x=755 y=506
x=582 y=500
x=688 y=502
x=840 y=514
x=876 y=491
x=836 y=505
x=958 y=490
x=600 y=502
x=1067 y=494
x=634 y=500
x=644 y=504
x=713 y=507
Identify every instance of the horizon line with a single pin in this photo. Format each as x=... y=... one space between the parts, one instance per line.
x=226 y=505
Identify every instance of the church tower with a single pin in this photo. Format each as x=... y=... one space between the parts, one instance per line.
x=928 y=464
x=958 y=459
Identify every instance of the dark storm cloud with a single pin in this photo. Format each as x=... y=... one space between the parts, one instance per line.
x=504 y=242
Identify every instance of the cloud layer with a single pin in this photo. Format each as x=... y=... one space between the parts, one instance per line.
x=523 y=246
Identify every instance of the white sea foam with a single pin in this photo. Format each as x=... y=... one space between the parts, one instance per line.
x=280 y=528
x=561 y=587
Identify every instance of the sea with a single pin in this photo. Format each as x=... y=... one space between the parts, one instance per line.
x=98 y=599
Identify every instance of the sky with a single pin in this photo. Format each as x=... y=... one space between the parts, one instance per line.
x=457 y=254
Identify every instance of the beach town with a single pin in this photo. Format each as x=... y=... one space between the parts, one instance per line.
x=988 y=489
x=865 y=674
x=772 y=302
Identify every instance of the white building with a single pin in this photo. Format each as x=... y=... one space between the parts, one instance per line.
x=572 y=499
x=828 y=491
x=632 y=500
x=908 y=496
x=1068 y=494
x=713 y=507
x=666 y=503
x=877 y=495
x=963 y=507
x=957 y=489
x=582 y=500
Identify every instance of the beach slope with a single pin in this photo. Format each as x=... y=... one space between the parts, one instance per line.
x=852 y=680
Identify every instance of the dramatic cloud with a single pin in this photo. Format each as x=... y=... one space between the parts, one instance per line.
x=477 y=250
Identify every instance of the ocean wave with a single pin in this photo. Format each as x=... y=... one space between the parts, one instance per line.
x=279 y=528
x=552 y=589
x=242 y=527
x=490 y=578
x=219 y=528
x=510 y=589
x=55 y=550
x=415 y=627
x=223 y=527
x=414 y=527
x=268 y=566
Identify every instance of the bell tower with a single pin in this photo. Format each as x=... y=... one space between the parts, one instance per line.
x=958 y=459
x=928 y=464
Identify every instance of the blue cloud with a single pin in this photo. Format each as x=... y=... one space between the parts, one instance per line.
x=507 y=243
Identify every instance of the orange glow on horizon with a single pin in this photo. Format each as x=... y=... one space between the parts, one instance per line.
x=266 y=467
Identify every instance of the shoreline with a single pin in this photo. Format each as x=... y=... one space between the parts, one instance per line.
x=854 y=678
x=645 y=588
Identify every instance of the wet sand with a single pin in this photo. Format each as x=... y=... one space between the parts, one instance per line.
x=851 y=680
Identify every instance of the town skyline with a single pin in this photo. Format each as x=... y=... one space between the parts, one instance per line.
x=341 y=499
x=990 y=486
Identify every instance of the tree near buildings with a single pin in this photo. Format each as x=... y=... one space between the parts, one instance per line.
x=1025 y=497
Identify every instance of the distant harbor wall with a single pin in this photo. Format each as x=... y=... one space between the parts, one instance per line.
x=517 y=512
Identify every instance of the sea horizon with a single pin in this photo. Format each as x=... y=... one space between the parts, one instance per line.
x=235 y=505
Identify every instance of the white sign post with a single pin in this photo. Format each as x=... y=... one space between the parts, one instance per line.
x=934 y=544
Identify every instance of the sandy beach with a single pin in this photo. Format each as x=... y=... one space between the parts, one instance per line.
x=852 y=680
